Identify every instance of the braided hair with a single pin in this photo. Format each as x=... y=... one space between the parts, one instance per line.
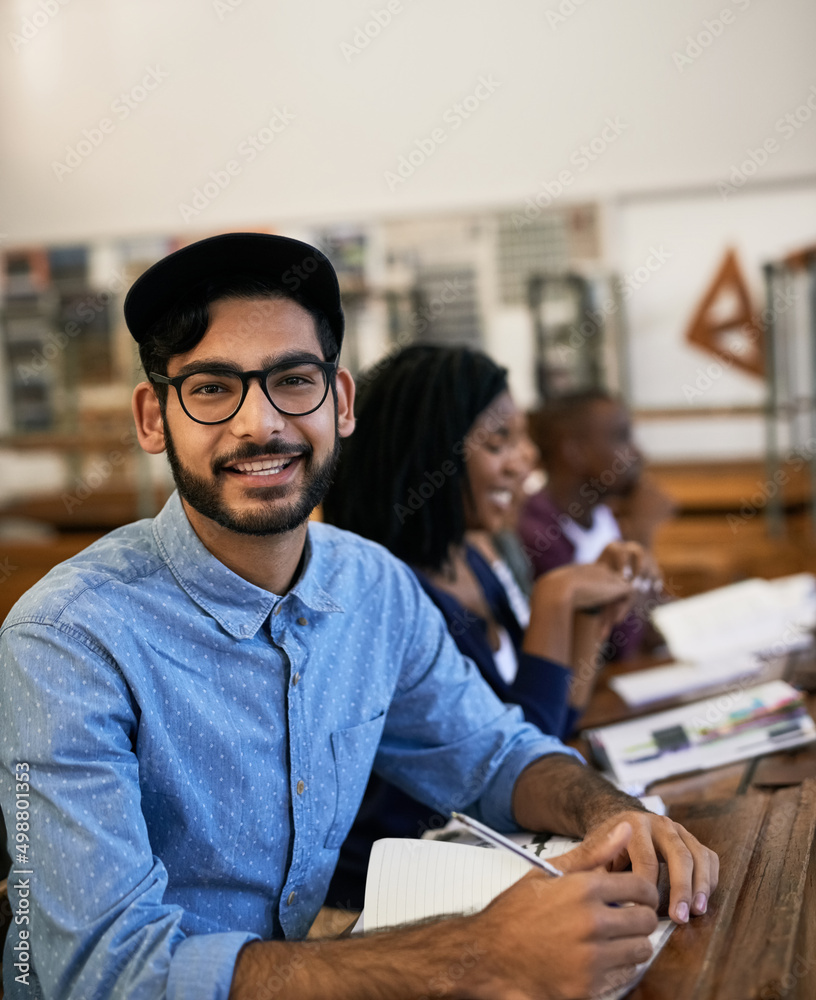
x=402 y=477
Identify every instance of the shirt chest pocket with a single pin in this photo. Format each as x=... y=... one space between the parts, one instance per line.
x=353 y=752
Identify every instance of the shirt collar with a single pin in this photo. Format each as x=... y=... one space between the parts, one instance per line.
x=236 y=604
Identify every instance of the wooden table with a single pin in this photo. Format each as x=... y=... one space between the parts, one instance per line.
x=758 y=939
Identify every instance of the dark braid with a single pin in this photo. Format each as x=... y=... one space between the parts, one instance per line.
x=402 y=476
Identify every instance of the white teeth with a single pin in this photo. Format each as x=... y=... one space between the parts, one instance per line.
x=263 y=466
x=502 y=498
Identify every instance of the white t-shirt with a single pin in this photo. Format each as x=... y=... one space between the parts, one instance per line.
x=505 y=657
x=590 y=542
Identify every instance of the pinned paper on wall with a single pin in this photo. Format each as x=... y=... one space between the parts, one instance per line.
x=726 y=323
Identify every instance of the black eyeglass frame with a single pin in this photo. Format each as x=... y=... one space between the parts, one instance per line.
x=329 y=369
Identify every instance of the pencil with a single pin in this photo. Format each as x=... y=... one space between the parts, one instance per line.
x=501 y=841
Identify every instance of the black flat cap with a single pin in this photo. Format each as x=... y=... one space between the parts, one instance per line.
x=298 y=267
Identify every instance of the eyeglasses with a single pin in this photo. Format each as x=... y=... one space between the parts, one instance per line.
x=214 y=395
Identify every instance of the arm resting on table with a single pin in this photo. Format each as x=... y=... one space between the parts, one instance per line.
x=556 y=793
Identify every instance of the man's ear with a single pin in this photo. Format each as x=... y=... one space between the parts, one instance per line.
x=345 y=402
x=148 y=418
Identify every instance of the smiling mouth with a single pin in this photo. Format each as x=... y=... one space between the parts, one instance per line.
x=501 y=498
x=261 y=466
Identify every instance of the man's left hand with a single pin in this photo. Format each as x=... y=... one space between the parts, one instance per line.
x=693 y=868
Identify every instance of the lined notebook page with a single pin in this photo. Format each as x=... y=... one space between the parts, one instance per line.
x=412 y=880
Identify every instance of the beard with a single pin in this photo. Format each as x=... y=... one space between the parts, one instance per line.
x=274 y=518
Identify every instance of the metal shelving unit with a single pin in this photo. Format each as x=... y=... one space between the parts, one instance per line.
x=790 y=357
x=579 y=334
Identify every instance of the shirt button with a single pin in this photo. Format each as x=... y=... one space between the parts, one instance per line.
x=302 y=621
x=295 y=679
x=290 y=899
x=301 y=787
x=277 y=610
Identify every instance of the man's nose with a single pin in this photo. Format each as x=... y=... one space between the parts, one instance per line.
x=257 y=417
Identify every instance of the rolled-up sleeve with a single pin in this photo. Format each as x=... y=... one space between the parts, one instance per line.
x=207 y=958
x=98 y=924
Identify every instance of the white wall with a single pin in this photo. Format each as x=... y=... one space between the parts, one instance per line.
x=693 y=233
x=219 y=73
x=183 y=87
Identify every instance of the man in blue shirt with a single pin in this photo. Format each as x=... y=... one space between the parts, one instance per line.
x=190 y=708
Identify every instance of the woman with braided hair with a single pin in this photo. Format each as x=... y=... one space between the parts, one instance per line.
x=438 y=452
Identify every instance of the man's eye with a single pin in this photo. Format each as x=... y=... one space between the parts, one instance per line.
x=208 y=389
x=299 y=379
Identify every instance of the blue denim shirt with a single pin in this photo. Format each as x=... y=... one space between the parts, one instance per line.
x=198 y=748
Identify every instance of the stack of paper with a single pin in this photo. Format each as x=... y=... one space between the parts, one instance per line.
x=744 y=723
x=674 y=680
x=755 y=616
x=732 y=634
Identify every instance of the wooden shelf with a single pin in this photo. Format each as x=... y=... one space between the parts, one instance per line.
x=102 y=510
x=688 y=412
x=80 y=441
x=725 y=486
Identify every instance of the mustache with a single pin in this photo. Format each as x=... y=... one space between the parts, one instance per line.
x=250 y=450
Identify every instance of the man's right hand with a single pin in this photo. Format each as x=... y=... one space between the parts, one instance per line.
x=543 y=938
x=550 y=937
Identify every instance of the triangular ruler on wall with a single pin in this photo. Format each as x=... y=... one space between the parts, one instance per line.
x=726 y=324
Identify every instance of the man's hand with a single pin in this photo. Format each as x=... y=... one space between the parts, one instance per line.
x=560 y=937
x=693 y=868
x=557 y=793
x=543 y=938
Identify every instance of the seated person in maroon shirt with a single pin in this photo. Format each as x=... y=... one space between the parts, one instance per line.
x=592 y=464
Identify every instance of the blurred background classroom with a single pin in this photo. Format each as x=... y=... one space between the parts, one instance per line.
x=617 y=195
